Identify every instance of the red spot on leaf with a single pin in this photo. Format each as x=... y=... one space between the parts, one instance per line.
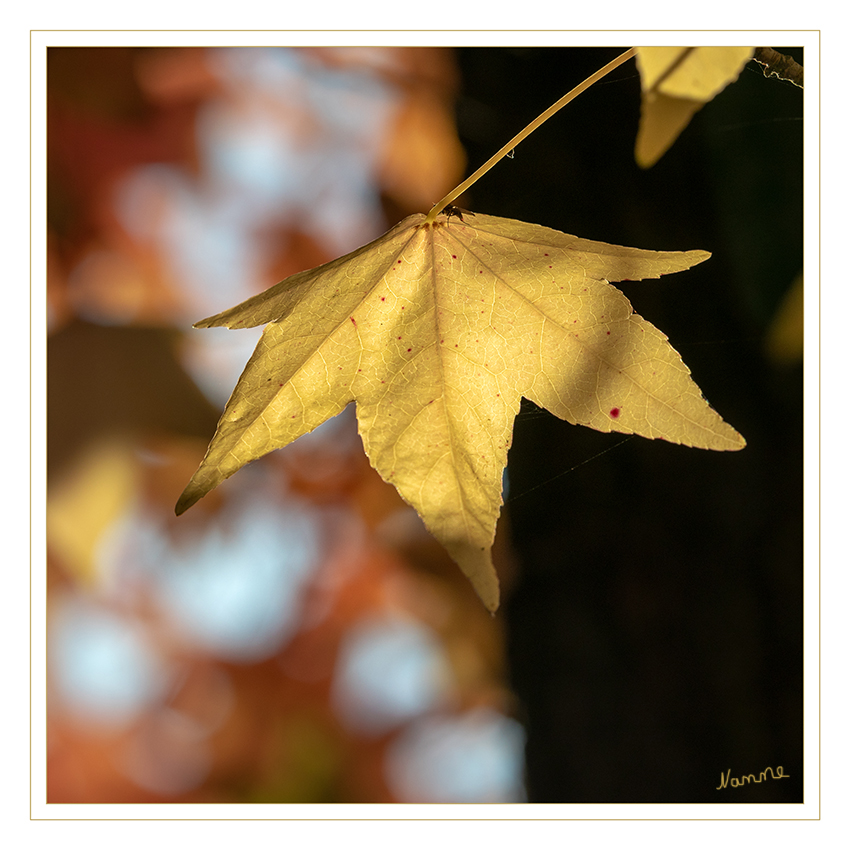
x=352 y=321
x=615 y=412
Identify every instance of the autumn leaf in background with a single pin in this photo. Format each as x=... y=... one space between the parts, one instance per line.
x=438 y=330
x=784 y=341
x=675 y=83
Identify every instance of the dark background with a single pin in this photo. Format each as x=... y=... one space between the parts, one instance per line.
x=655 y=622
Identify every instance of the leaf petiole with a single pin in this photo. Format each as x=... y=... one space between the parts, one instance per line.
x=544 y=116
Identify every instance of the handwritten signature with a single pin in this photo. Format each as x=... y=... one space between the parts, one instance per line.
x=736 y=782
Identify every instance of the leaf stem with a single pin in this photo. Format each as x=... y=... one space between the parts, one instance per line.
x=544 y=116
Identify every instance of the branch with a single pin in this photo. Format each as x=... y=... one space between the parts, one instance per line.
x=779 y=65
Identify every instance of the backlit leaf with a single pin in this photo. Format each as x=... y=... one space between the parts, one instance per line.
x=675 y=83
x=437 y=330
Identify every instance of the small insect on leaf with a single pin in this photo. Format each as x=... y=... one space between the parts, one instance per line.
x=450 y=210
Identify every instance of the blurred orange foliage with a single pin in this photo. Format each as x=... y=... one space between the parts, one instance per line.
x=131 y=409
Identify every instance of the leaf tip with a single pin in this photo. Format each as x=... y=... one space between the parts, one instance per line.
x=209 y=322
x=477 y=565
x=486 y=585
x=730 y=440
x=695 y=257
x=187 y=498
x=733 y=441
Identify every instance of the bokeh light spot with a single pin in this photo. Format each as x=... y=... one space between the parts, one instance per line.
x=389 y=671
x=475 y=758
x=102 y=666
x=238 y=591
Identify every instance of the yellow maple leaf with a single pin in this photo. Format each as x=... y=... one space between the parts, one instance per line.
x=676 y=82
x=437 y=330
